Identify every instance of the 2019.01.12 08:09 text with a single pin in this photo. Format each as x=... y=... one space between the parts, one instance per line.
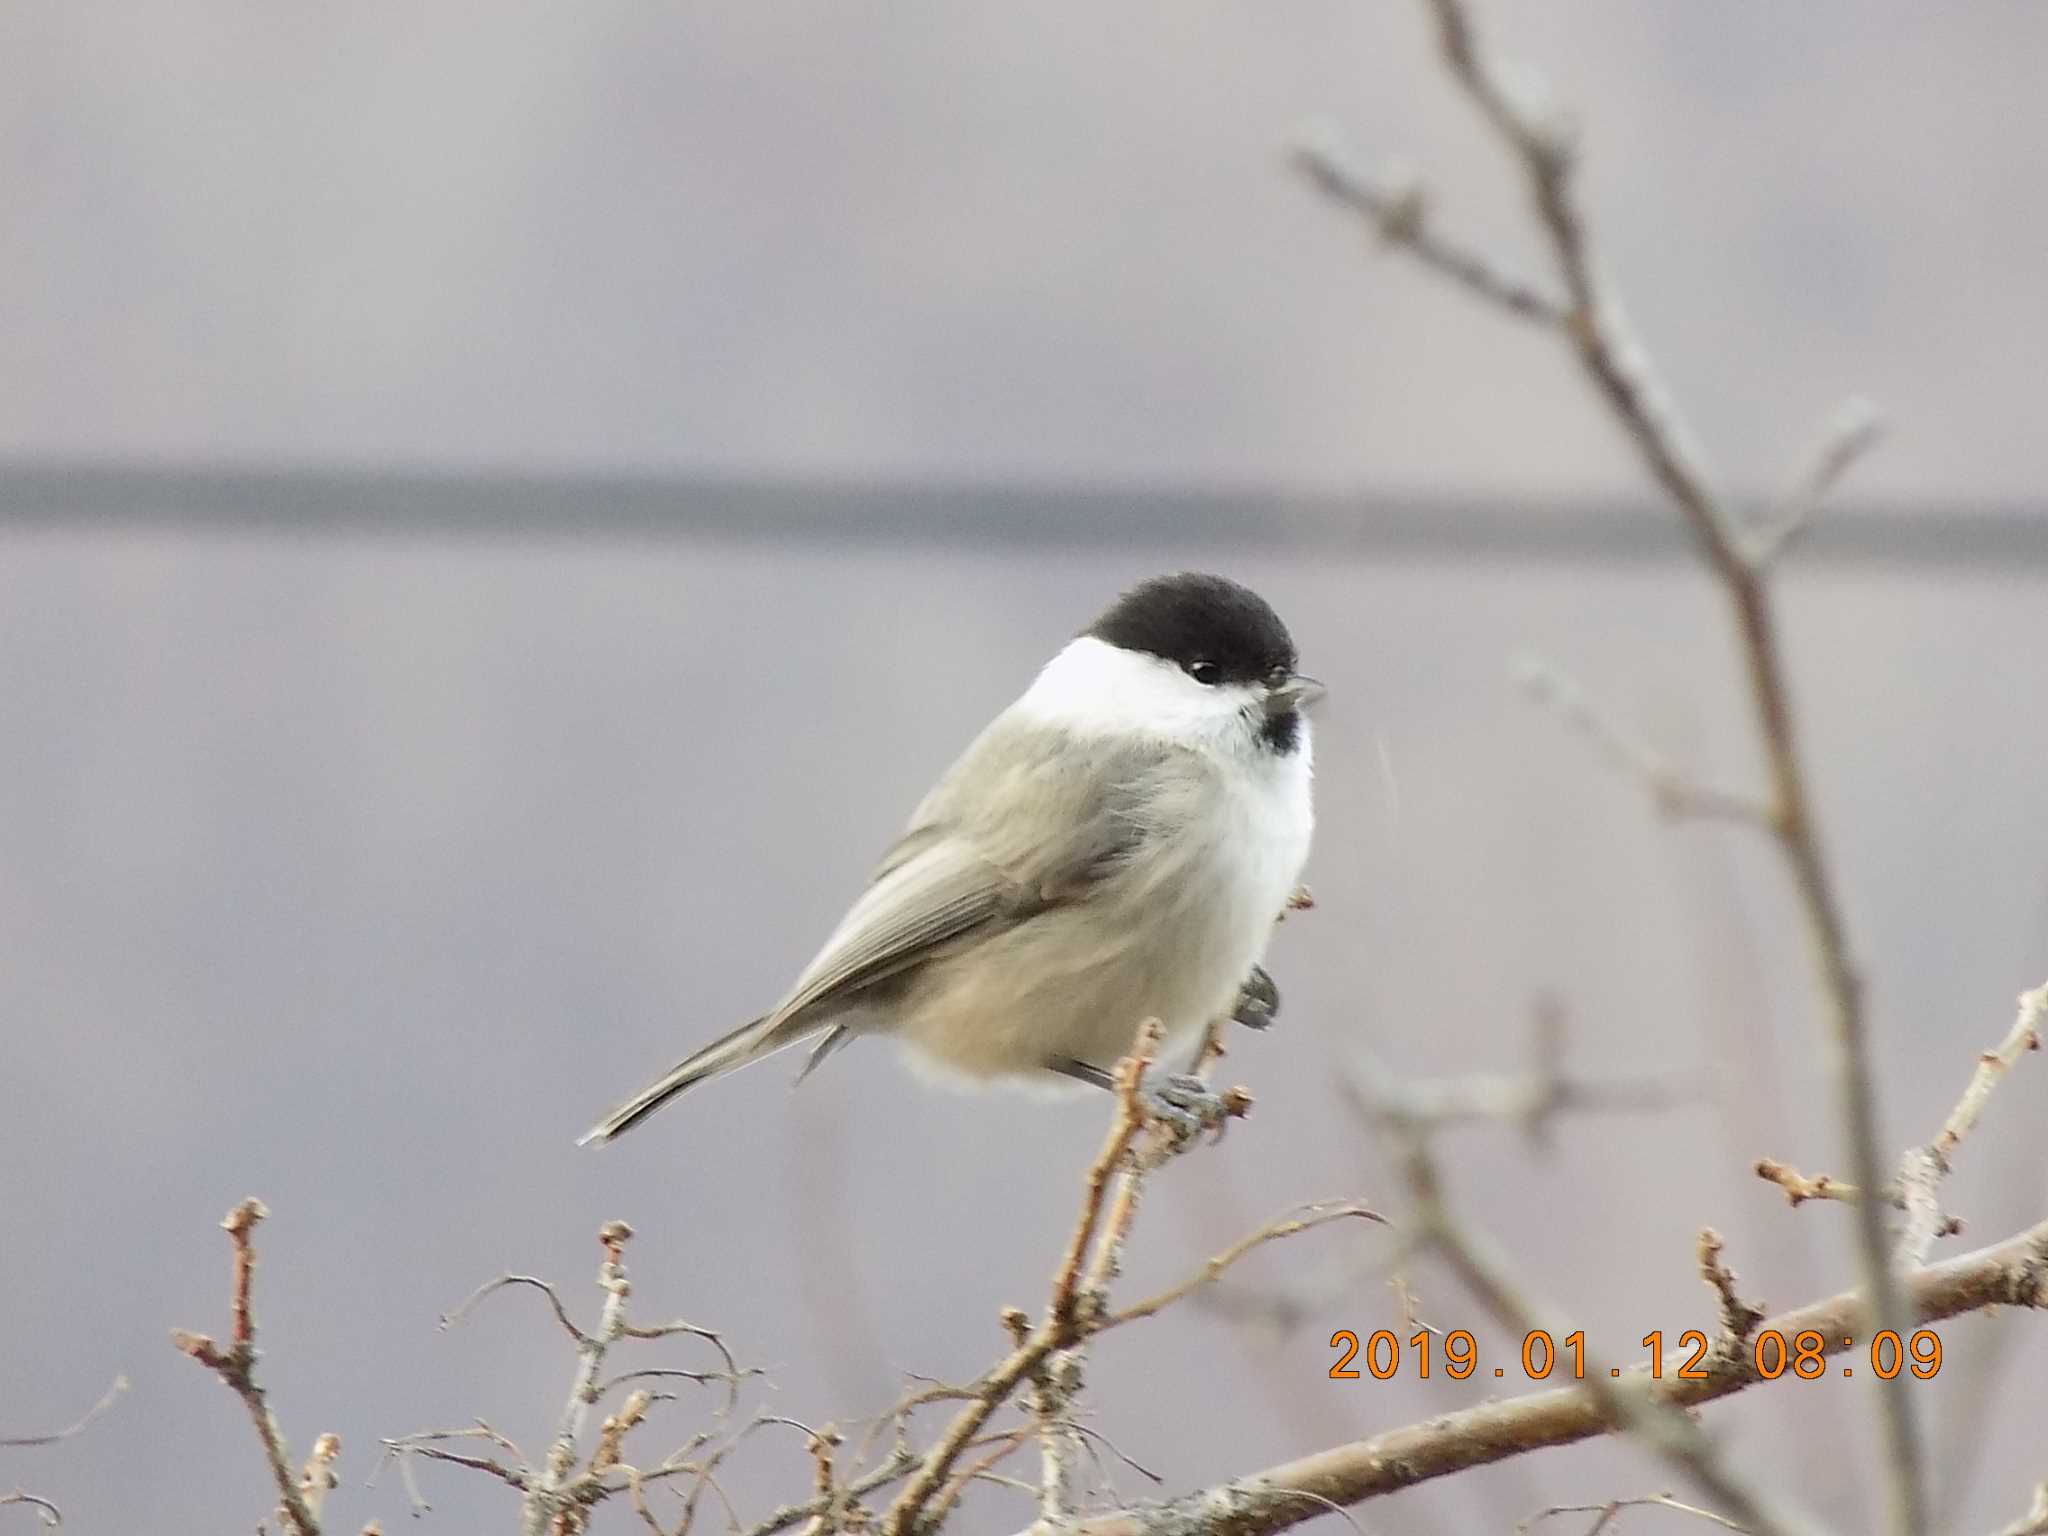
x=1383 y=1355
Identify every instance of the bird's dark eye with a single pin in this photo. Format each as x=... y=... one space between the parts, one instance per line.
x=1207 y=673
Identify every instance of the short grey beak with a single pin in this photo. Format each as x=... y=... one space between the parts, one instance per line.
x=1297 y=692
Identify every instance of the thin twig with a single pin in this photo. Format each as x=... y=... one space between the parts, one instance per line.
x=2035 y=1521
x=426 y=1443
x=1398 y=214
x=1739 y=1318
x=1411 y=1304
x=901 y=1461
x=2028 y=1028
x=1675 y=795
x=504 y=1282
x=1123 y=1130
x=1302 y=1218
x=1097 y=1437
x=978 y=1471
x=403 y=1456
x=1613 y=1507
x=47 y=1512
x=1531 y=1100
x=1923 y=1168
x=732 y=1375
x=701 y=1378
x=51 y=1516
x=107 y=1400
x=1855 y=427
x=1800 y=1188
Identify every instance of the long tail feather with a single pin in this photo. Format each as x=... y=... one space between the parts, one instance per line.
x=749 y=1043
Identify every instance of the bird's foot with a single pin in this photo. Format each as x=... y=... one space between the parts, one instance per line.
x=1258 y=1000
x=1187 y=1105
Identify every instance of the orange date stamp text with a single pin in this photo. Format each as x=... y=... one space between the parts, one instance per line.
x=1383 y=1355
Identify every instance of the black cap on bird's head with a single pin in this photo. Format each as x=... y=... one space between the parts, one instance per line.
x=1216 y=631
x=1191 y=619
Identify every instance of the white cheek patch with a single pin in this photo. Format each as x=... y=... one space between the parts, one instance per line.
x=1094 y=686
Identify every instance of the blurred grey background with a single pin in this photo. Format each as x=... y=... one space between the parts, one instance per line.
x=504 y=508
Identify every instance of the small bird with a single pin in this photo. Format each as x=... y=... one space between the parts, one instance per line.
x=1115 y=846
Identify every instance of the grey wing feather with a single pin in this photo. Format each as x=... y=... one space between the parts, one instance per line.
x=938 y=894
x=1027 y=820
x=977 y=853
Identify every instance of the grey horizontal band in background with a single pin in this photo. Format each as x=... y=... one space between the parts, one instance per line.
x=327 y=503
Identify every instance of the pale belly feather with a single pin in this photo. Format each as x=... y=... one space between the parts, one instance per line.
x=1078 y=982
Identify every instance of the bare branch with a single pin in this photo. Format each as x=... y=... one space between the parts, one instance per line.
x=1397 y=212
x=732 y=1375
x=1097 y=1437
x=1629 y=1402
x=107 y=1400
x=611 y=1435
x=901 y=1461
x=556 y=1495
x=825 y=1482
x=2035 y=1521
x=1047 y=1355
x=1855 y=427
x=1529 y=1100
x=1411 y=1304
x=1923 y=1168
x=47 y=1512
x=51 y=1516
x=545 y=1498
x=1060 y=1326
x=428 y=1443
x=981 y=1470
x=504 y=1282
x=1123 y=1130
x=1055 y=1385
x=1542 y=144
x=1738 y=1317
x=402 y=1454
x=1301 y=1218
x=1799 y=1188
x=2028 y=1028
x=701 y=1378
x=1675 y=795
x=2010 y=1273
x=236 y=1366
x=1920 y=1175
x=319 y=1479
